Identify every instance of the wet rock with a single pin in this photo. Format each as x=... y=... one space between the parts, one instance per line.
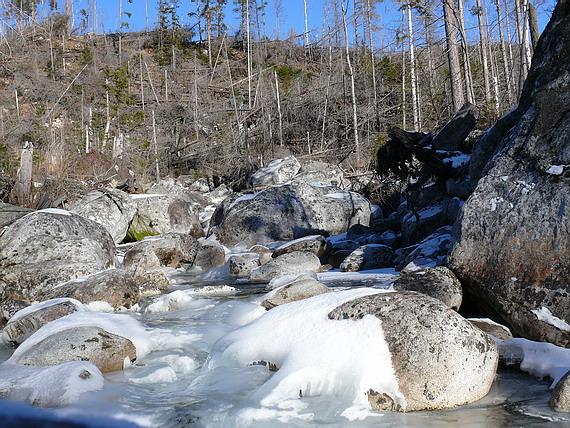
x=111 y=208
x=438 y=282
x=440 y=359
x=278 y=171
x=105 y=350
x=27 y=321
x=302 y=287
x=48 y=247
x=370 y=256
x=288 y=264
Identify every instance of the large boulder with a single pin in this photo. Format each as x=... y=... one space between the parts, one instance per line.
x=111 y=208
x=513 y=242
x=321 y=172
x=291 y=211
x=560 y=399
x=301 y=287
x=48 y=247
x=293 y=263
x=439 y=358
x=371 y=256
x=277 y=171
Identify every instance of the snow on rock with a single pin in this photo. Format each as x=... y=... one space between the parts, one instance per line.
x=314 y=355
x=544 y=314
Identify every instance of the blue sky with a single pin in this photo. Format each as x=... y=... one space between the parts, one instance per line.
x=292 y=16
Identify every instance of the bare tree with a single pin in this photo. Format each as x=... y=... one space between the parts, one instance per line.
x=453 y=55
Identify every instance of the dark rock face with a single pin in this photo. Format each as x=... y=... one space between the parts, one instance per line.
x=513 y=247
x=439 y=358
x=48 y=247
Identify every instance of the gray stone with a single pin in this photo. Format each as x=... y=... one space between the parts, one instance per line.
x=114 y=286
x=26 y=322
x=296 y=262
x=287 y=212
x=428 y=220
x=513 y=242
x=345 y=245
x=242 y=264
x=371 y=256
x=460 y=187
x=10 y=213
x=336 y=258
x=560 y=398
x=316 y=244
x=210 y=255
x=111 y=208
x=48 y=247
x=278 y=171
x=438 y=282
x=321 y=172
x=300 y=288
x=440 y=359
x=491 y=327
x=432 y=251
x=452 y=208
x=106 y=350
x=263 y=252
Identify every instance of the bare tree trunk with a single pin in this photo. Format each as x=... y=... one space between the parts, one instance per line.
x=155 y=144
x=22 y=187
x=306 y=25
x=278 y=98
x=278 y=12
x=483 y=47
x=413 y=82
x=453 y=56
x=209 y=34
x=466 y=63
x=404 y=104
x=372 y=62
x=120 y=32
x=249 y=71
x=506 y=68
x=352 y=90
x=533 y=23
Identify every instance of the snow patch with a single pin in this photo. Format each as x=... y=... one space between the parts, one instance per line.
x=556 y=169
x=544 y=314
x=52 y=302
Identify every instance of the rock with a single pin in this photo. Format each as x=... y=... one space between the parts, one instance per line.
x=491 y=327
x=105 y=350
x=265 y=254
x=460 y=187
x=288 y=264
x=278 y=171
x=513 y=242
x=388 y=238
x=9 y=307
x=242 y=264
x=10 y=213
x=560 y=398
x=336 y=258
x=114 y=286
x=321 y=172
x=431 y=252
x=210 y=255
x=302 y=287
x=428 y=220
x=345 y=244
x=438 y=282
x=158 y=214
x=48 y=247
x=111 y=208
x=291 y=211
x=452 y=208
x=316 y=244
x=427 y=196
x=27 y=321
x=371 y=256
x=440 y=359
x=454 y=133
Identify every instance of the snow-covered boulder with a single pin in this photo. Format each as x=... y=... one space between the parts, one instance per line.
x=242 y=264
x=48 y=247
x=278 y=171
x=416 y=227
x=440 y=360
x=162 y=213
x=296 y=262
x=438 y=282
x=492 y=328
x=117 y=287
x=321 y=172
x=369 y=256
x=299 y=288
x=111 y=208
x=287 y=212
x=513 y=247
x=316 y=244
x=430 y=252
x=27 y=321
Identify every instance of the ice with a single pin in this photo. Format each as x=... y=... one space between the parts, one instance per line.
x=52 y=211
x=315 y=356
x=121 y=325
x=170 y=302
x=45 y=304
x=544 y=314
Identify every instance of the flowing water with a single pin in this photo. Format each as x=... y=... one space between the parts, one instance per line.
x=174 y=387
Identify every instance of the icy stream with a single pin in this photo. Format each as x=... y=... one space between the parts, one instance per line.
x=175 y=386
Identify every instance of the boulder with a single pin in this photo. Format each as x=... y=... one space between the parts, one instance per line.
x=371 y=256
x=345 y=245
x=242 y=264
x=418 y=225
x=432 y=251
x=296 y=262
x=438 y=282
x=105 y=350
x=157 y=214
x=321 y=172
x=291 y=211
x=48 y=247
x=111 y=208
x=210 y=255
x=316 y=244
x=114 y=286
x=440 y=359
x=278 y=171
x=265 y=254
x=302 y=287
x=513 y=242
x=27 y=321
x=560 y=398
x=336 y=258
x=492 y=328
x=10 y=213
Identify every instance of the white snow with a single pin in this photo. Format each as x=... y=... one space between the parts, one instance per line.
x=556 y=169
x=295 y=241
x=544 y=314
x=315 y=356
x=458 y=160
x=146 y=195
x=52 y=302
x=121 y=325
x=377 y=275
x=494 y=202
x=170 y=302
x=338 y=195
x=245 y=197
x=51 y=211
x=100 y=306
